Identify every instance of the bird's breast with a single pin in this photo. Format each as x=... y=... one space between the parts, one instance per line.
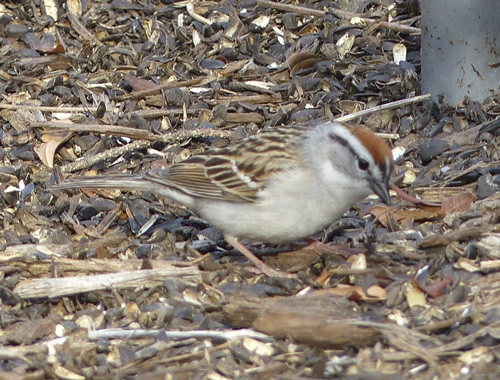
x=290 y=208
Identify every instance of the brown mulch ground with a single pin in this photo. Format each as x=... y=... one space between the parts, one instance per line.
x=102 y=284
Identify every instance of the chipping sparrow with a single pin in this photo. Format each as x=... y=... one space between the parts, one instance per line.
x=274 y=187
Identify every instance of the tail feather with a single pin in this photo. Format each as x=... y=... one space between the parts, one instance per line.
x=118 y=181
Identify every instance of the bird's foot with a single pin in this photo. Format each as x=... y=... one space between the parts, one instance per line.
x=261 y=266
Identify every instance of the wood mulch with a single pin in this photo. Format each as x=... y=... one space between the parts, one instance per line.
x=104 y=284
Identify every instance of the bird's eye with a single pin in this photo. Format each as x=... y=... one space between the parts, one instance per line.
x=363 y=164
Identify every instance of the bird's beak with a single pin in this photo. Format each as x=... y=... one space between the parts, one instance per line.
x=382 y=190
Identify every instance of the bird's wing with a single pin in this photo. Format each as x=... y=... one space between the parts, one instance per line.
x=238 y=173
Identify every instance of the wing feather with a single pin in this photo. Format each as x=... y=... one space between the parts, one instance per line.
x=238 y=173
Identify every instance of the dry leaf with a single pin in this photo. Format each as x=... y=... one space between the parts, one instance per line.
x=382 y=212
x=456 y=203
x=48 y=148
x=436 y=288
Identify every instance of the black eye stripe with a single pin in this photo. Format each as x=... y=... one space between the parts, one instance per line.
x=362 y=163
x=342 y=141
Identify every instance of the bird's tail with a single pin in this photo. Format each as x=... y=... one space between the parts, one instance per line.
x=116 y=181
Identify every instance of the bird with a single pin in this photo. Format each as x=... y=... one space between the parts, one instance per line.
x=276 y=186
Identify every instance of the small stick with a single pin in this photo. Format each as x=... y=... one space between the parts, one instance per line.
x=198 y=81
x=46 y=108
x=178 y=335
x=293 y=8
x=383 y=107
x=71 y=285
x=140 y=144
x=339 y=13
x=115 y=130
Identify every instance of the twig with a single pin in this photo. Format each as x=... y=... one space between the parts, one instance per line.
x=199 y=81
x=178 y=335
x=190 y=355
x=454 y=176
x=11 y=354
x=65 y=286
x=388 y=136
x=47 y=109
x=339 y=13
x=291 y=8
x=140 y=144
x=383 y=107
x=115 y=130
x=156 y=113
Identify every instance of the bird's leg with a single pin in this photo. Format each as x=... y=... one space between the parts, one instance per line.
x=263 y=267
